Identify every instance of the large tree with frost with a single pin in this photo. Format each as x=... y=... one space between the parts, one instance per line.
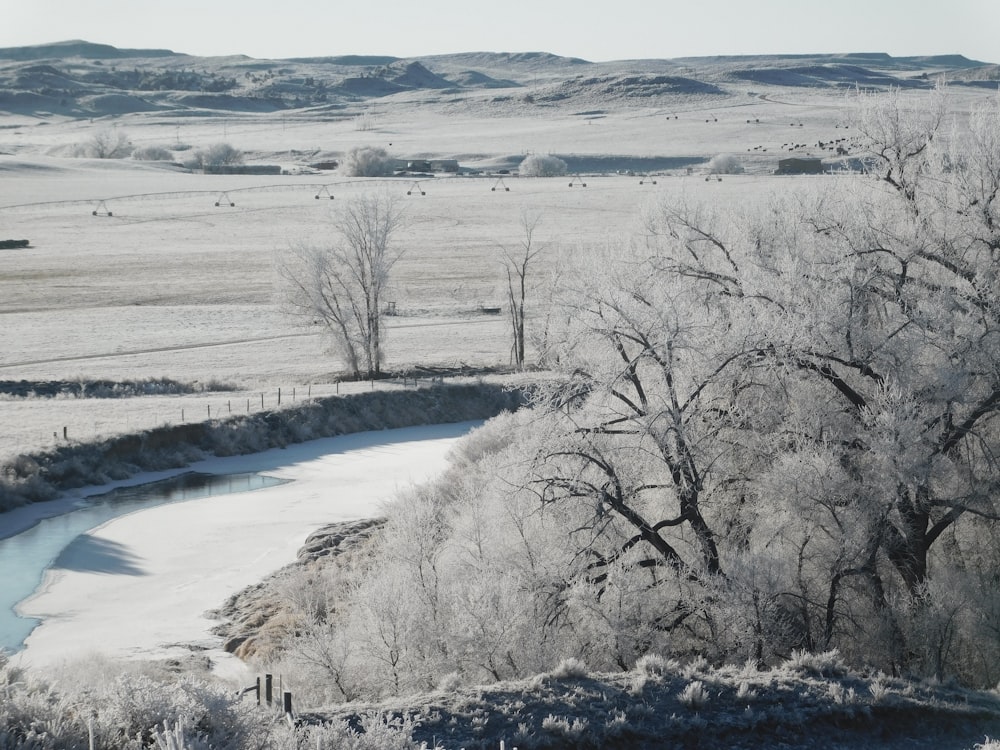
x=810 y=387
x=341 y=284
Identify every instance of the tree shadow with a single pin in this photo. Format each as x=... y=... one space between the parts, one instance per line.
x=88 y=554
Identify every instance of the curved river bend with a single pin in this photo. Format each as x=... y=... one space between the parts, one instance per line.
x=131 y=573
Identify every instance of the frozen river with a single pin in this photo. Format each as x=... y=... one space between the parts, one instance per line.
x=138 y=585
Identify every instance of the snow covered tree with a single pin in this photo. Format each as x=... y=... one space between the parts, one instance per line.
x=517 y=262
x=341 y=285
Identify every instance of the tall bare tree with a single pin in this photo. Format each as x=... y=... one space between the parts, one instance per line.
x=516 y=262
x=341 y=285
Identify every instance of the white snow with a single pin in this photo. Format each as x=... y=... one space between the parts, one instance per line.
x=139 y=586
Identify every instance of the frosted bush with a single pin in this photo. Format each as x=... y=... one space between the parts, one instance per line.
x=564 y=727
x=450 y=683
x=744 y=693
x=725 y=164
x=694 y=696
x=177 y=738
x=368 y=161
x=216 y=155
x=569 y=668
x=152 y=153
x=538 y=165
x=826 y=664
x=696 y=666
x=655 y=665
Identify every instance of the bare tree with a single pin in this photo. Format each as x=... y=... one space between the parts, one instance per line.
x=109 y=143
x=341 y=285
x=516 y=263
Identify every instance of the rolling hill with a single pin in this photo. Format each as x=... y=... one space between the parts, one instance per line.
x=82 y=79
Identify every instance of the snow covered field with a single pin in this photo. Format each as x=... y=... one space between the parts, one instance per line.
x=172 y=285
x=139 y=586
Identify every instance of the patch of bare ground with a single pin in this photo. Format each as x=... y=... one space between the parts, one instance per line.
x=254 y=620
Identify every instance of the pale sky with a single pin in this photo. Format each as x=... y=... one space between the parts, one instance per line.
x=595 y=30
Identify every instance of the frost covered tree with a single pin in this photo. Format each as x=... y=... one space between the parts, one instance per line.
x=368 y=161
x=218 y=155
x=518 y=262
x=340 y=285
x=542 y=165
x=108 y=143
x=809 y=390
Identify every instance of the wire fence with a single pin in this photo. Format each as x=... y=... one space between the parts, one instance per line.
x=35 y=424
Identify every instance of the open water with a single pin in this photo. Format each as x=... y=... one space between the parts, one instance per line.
x=25 y=557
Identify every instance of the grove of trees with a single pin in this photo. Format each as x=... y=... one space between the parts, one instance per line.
x=768 y=429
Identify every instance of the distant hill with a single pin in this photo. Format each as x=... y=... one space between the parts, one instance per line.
x=78 y=48
x=82 y=79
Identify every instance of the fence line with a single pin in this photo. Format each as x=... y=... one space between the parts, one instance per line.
x=40 y=423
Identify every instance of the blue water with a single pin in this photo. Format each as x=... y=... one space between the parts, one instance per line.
x=24 y=558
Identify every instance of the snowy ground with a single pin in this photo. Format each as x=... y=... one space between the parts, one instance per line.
x=138 y=586
x=172 y=285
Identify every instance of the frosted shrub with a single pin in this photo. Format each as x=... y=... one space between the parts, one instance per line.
x=450 y=683
x=216 y=155
x=725 y=164
x=152 y=153
x=744 y=693
x=569 y=668
x=694 y=696
x=879 y=689
x=840 y=696
x=368 y=161
x=538 y=165
x=380 y=732
x=177 y=738
x=697 y=666
x=561 y=726
x=655 y=665
x=826 y=664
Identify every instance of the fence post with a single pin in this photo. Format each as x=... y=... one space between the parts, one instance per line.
x=268 y=688
x=182 y=415
x=287 y=703
x=258 y=690
x=65 y=432
x=209 y=411
x=262 y=401
x=279 y=396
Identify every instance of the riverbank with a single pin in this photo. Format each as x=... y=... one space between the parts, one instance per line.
x=44 y=477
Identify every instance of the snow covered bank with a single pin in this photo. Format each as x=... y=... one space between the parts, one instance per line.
x=138 y=586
